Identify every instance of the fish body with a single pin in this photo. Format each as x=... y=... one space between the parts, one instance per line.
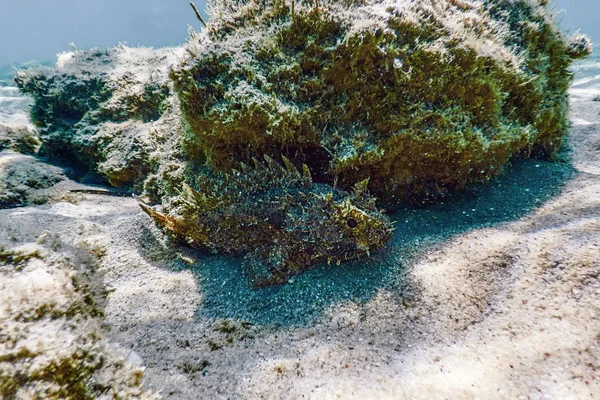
x=276 y=216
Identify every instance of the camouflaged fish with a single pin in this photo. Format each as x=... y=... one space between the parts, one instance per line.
x=275 y=215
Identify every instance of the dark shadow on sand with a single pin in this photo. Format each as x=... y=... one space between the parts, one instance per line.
x=526 y=185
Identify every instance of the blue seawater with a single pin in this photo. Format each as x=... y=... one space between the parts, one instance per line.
x=586 y=85
x=14 y=107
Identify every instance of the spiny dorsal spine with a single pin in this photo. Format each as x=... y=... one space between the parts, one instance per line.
x=226 y=187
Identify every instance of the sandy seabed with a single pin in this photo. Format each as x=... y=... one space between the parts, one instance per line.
x=505 y=309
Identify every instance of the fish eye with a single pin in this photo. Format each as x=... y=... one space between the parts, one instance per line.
x=351 y=222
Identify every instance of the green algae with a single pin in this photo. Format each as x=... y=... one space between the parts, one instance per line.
x=147 y=106
x=61 y=103
x=423 y=97
x=20 y=139
x=418 y=106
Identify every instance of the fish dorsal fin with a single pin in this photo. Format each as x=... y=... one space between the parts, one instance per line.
x=204 y=184
x=245 y=168
x=191 y=196
x=207 y=198
x=273 y=165
x=361 y=187
x=258 y=166
x=234 y=177
x=306 y=173
x=291 y=168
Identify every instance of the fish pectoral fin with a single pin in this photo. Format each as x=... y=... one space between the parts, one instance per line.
x=164 y=220
x=267 y=265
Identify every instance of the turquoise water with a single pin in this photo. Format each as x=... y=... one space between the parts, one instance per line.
x=13 y=106
x=586 y=83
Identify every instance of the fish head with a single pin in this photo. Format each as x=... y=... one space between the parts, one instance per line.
x=353 y=226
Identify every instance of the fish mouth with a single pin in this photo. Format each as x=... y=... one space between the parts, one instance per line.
x=363 y=249
x=346 y=251
x=366 y=249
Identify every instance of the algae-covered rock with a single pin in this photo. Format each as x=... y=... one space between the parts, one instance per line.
x=420 y=96
x=19 y=138
x=106 y=110
x=26 y=180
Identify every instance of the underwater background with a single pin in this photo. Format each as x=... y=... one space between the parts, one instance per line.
x=586 y=83
x=151 y=23
x=492 y=290
x=525 y=185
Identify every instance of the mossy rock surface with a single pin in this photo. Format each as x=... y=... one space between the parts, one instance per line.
x=53 y=344
x=421 y=96
x=105 y=111
x=21 y=139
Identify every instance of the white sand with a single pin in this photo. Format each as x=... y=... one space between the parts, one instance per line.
x=511 y=311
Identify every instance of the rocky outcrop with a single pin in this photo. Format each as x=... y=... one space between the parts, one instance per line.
x=421 y=96
x=21 y=139
x=25 y=180
x=105 y=110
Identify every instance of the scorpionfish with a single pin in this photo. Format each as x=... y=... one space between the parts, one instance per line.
x=277 y=217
